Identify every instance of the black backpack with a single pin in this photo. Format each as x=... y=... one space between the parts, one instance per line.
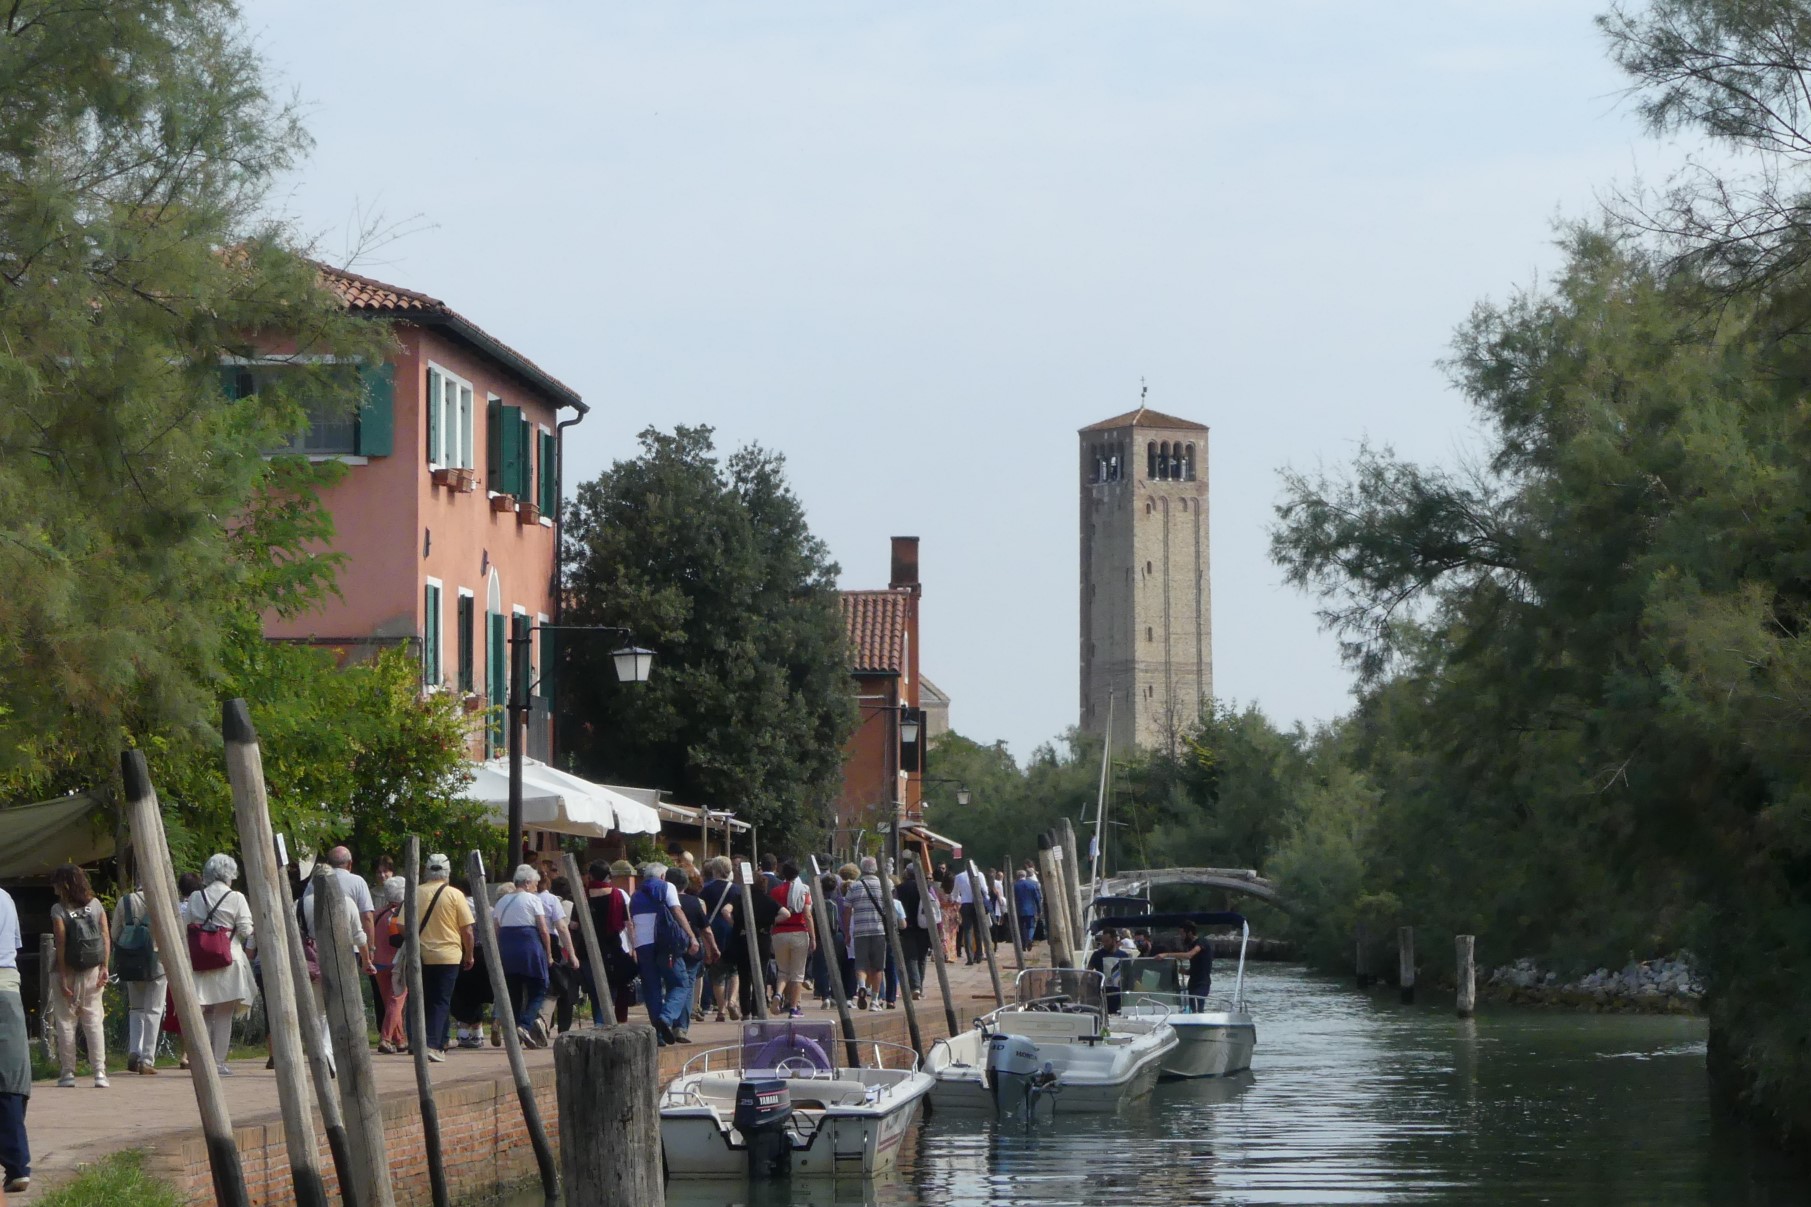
x=134 y=952
x=82 y=946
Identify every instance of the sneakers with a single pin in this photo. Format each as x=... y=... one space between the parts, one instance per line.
x=471 y=1041
x=795 y=1012
x=681 y=1036
x=436 y=1056
x=132 y=1062
x=66 y=1081
x=146 y=1069
x=496 y=1036
x=101 y=1082
x=17 y=1185
x=539 y=1033
x=386 y=1048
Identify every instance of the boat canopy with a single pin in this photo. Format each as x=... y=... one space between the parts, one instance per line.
x=1151 y=921
x=1120 y=905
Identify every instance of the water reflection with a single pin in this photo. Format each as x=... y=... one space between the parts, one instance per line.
x=1360 y=1100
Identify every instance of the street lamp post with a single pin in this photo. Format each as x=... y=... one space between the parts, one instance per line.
x=633 y=665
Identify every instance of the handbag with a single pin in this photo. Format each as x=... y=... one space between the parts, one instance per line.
x=211 y=946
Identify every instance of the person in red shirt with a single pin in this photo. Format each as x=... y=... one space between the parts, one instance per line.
x=792 y=937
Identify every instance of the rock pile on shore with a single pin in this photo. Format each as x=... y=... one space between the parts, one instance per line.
x=1661 y=985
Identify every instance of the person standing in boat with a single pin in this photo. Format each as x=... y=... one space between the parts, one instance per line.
x=1200 y=956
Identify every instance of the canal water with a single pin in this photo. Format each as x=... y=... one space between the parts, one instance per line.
x=1356 y=1099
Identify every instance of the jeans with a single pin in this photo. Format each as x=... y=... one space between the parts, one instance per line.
x=657 y=982
x=892 y=977
x=437 y=982
x=15 y=1148
x=144 y=1015
x=917 y=943
x=1028 y=928
x=678 y=1011
x=968 y=939
x=526 y=994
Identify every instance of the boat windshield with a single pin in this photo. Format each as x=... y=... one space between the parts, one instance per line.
x=1056 y=987
x=1149 y=976
x=791 y=1044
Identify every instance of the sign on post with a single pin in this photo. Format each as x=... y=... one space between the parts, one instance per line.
x=748 y=872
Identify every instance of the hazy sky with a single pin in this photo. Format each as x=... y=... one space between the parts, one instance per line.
x=915 y=246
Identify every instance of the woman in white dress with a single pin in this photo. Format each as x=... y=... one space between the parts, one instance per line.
x=223 y=991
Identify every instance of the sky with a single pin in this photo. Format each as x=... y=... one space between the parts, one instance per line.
x=915 y=246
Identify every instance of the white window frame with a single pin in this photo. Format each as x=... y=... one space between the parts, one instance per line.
x=437 y=624
x=454 y=446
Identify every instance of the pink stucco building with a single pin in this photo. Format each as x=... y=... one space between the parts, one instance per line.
x=447 y=514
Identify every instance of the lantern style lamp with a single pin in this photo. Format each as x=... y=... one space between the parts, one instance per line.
x=633 y=664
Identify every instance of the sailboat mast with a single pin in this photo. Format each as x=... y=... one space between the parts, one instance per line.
x=1098 y=854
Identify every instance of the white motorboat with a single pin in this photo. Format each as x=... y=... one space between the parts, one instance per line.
x=1216 y=1036
x=1056 y=1045
x=778 y=1104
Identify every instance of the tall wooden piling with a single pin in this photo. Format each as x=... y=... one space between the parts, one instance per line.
x=258 y=846
x=757 y=972
x=897 y=947
x=594 y=951
x=158 y=877
x=408 y=960
x=1405 y=963
x=833 y=964
x=314 y=1045
x=1077 y=900
x=1012 y=913
x=342 y=986
x=1361 y=958
x=981 y=891
x=927 y=895
x=608 y=1082
x=512 y=1043
x=1062 y=954
x=1466 y=953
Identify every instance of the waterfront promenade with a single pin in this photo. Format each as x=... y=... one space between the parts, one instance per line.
x=480 y=1118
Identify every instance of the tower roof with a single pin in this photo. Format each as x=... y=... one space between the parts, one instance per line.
x=1145 y=417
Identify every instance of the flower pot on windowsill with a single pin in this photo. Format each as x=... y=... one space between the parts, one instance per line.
x=528 y=513
x=453 y=478
x=503 y=502
x=473 y=702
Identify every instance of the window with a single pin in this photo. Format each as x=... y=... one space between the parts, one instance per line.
x=1188 y=463
x=467 y=621
x=496 y=678
x=336 y=425
x=449 y=406
x=1150 y=634
x=510 y=456
x=1150 y=461
x=430 y=634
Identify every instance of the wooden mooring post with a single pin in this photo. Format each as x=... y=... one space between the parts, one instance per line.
x=1466 y=953
x=1012 y=914
x=258 y=845
x=1361 y=959
x=833 y=965
x=927 y=899
x=1062 y=953
x=897 y=946
x=608 y=1082
x=589 y=947
x=159 y=880
x=342 y=985
x=982 y=891
x=1405 y=963
x=409 y=960
x=757 y=972
x=314 y=1043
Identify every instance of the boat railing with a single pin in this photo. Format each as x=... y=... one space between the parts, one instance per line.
x=730 y=1059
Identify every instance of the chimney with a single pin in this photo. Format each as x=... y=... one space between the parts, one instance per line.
x=905 y=564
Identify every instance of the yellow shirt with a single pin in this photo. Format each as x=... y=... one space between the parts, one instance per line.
x=440 y=932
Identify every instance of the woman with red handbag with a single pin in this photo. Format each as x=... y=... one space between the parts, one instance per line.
x=220 y=931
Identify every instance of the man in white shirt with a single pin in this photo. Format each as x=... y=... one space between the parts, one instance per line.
x=968 y=939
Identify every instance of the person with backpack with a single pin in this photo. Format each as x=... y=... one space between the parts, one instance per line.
x=220 y=931
x=662 y=935
x=867 y=928
x=137 y=966
x=79 y=923
x=793 y=938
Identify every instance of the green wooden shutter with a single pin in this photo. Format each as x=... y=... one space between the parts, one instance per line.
x=376 y=433
x=506 y=461
x=549 y=481
x=431 y=400
x=466 y=652
x=493 y=446
x=496 y=675
x=430 y=635
x=524 y=458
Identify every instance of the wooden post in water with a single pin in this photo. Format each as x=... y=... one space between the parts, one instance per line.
x=158 y=878
x=757 y=974
x=1362 y=957
x=512 y=1043
x=984 y=924
x=409 y=960
x=1405 y=962
x=320 y=1064
x=1062 y=955
x=833 y=964
x=1078 y=901
x=608 y=1081
x=343 y=987
x=928 y=895
x=1012 y=913
x=1466 y=951
x=897 y=947
x=594 y=952
x=251 y=810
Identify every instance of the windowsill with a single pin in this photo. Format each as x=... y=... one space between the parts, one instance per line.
x=317 y=458
x=546 y=522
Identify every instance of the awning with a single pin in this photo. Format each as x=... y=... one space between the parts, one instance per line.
x=691 y=816
x=913 y=831
x=36 y=839
x=559 y=801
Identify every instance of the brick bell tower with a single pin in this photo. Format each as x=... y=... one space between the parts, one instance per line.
x=1146 y=615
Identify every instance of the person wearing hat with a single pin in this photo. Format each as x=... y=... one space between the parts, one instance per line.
x=446 y=928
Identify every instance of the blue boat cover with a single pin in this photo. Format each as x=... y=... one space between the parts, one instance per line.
x=1153 y=921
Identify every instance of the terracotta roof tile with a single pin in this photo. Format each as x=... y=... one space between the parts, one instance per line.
x=1145 y=417
x=368 y=296
x=876 y=621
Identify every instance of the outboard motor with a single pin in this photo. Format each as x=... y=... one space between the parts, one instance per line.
x=1013 y=1073
x=764 y=1117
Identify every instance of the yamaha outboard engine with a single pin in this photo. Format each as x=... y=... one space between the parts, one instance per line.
x=764 y=1117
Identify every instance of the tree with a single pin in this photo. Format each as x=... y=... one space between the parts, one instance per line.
x=713 y=565
x=137 y=141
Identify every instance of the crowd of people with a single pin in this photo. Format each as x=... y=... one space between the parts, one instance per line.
x=673 y=937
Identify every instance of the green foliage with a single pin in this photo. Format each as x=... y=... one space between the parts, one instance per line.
x=137 y=140
x=713 y=566
x=114 y=1179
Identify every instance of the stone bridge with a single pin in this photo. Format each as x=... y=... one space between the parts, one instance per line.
x=1233 y=880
